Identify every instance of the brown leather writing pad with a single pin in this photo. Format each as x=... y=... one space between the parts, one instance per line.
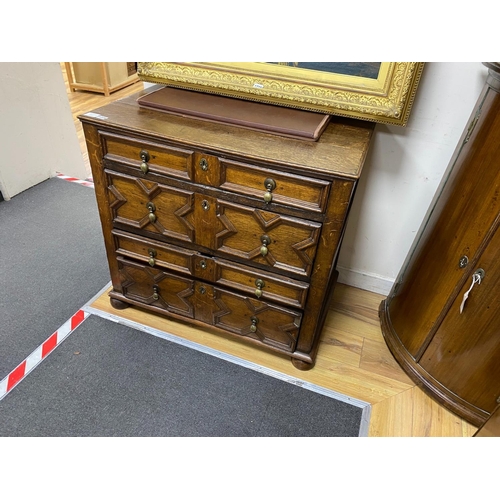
x=279 y=120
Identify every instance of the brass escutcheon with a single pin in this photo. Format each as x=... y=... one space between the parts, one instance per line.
x=204 y=164
x=270 y=184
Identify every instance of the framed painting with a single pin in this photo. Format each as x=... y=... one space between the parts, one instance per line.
x=377 y=91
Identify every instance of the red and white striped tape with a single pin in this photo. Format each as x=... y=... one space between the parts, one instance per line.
x=22 y=370
x=88 y=182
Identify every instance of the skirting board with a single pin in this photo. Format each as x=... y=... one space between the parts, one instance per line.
x=365 y=281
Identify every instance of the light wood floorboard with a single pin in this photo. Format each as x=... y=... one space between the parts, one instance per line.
x=353 y=358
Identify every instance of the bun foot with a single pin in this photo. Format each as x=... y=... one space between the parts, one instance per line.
x=301 y=365
x=118 y=304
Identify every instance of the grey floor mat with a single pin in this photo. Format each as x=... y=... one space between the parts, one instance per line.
x=107 y=379
x=52 y=261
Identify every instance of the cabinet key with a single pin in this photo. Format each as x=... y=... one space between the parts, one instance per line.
x=477 y=277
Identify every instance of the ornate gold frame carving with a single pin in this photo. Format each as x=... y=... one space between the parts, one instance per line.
x=386 y=99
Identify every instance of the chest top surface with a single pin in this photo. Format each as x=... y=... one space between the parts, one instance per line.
x=340 y=151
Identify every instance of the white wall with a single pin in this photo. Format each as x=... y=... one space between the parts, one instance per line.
x=37 y=133
x=402 y=172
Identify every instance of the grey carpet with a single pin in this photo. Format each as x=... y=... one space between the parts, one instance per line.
x=52 y=261
x=107 y=379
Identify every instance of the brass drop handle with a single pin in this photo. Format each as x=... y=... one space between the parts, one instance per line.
x=260 y=285
x=266 y=241
x=204 y=164
x=253 y=326
x=270 y=185
x=151 y=207
x=145 y=158
x=156 y=294
x=152 y=255
x=203 y=264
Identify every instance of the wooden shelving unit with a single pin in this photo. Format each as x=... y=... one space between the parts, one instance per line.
x=100 y=76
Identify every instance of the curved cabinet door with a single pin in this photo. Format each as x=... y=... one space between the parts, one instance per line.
x=464 y=354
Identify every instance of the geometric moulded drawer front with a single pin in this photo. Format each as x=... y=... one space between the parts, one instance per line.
x=260 y=321
x=156 y=288
x=255 y=319
x=285 y=243
x=263 y=237
x=154 y=208
x=238 y=277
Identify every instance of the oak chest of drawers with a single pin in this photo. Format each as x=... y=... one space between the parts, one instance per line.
x=222 y=227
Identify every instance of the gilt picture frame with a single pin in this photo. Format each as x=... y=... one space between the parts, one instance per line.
x=381 y=92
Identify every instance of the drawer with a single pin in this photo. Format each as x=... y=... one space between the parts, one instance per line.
x=153 y=287
x=264 y=185
x=147 y=156
x=238 y=314
x=261 y=237
x=278 y=187
x=153 y=253
x=240 y=278
x=269 y=239
x=260 y=321
x=151 y=207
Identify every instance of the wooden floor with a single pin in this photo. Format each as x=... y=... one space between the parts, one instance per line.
x=353 y=358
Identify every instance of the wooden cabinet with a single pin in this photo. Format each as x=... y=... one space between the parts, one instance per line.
x=226 y=228
x=455 y=355
x=102 y=77
x=490 y=428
